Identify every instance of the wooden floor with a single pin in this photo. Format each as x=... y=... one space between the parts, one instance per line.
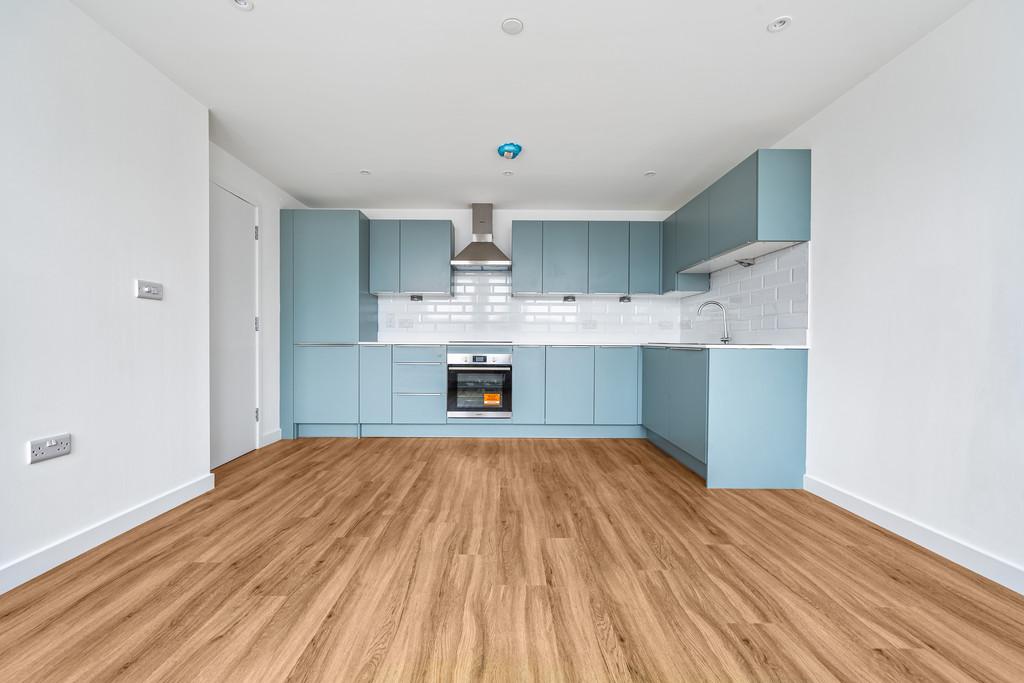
x=512 y=560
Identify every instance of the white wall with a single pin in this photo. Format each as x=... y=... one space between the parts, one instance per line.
x=236 y=177
x=103 y=179
x=916 y=396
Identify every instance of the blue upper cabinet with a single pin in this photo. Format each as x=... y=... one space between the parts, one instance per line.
x=425 y=253
x=616 y=385
x=668 y=253
x=565 y=256
x=644 y=257
x=327 y=384
x=384 y=251
x=569 y=385
x=608 y=269
x=527 y=257
x=692 y=232
x=325 y=285
x=528 y=385
x=761 y=205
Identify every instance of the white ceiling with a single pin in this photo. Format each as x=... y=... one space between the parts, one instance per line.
x=308 y=92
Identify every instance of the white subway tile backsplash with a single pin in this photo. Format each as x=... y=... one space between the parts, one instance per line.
x=767 y=303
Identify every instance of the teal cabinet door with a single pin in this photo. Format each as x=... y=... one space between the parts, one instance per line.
x=784 y=195
x=565 y=257
x=692 y=232
x=644 y=257
x=375 y=384
x=419 y=409
x=732 y=208
x=616 y=379
x=656 y=390
x=569 y=385
x=527 y=257
x=325 y=269
x=326 y=384
x=688 y=410
x=528 y=384
x=425 y=256
x=384 y=250
x=668 y=253
x=608 y=264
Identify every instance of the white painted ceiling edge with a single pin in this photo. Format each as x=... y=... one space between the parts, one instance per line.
x=421 y=94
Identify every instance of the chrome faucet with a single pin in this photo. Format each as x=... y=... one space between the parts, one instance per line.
x=725 y=319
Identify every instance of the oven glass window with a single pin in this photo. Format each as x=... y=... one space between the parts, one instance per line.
x=481 y=390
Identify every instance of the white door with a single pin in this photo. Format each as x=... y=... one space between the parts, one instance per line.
x=234 y=391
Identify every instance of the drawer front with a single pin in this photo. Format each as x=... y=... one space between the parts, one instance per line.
x=425 y=408
x=419 y=377
x=419 y=354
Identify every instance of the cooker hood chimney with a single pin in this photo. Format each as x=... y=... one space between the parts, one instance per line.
x=481 y=254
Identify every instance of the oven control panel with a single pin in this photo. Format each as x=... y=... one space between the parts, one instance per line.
x=479 y=359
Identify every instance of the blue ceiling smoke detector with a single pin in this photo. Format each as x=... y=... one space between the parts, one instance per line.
x=510 y=150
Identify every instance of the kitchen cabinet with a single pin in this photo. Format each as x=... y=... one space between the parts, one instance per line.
x=328 y=287
x=668 y=253
x=384 y=251
x=616 y=385
x=419 y=382
x=608 y=258
x=692 y=232
x=527 y=257
x=528 y=384
x=688 y=400
x=761 y=205
x=644 y=257
x=565 y=255
x=569 y=385
x=735 y=416
x=375 y=384
x=425 y=253
x=327 y=384
x=325 y=304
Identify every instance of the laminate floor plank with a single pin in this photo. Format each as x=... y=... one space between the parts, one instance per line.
x=504 y=560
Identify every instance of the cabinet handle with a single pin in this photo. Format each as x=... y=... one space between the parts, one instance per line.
x=536 y=293
x=414 y=394
x=570 y=346
x=322 y=344
x=376 y=293
x=416 y=362
x=685 y=348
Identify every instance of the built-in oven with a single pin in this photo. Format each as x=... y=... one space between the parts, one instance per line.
x=480 y=385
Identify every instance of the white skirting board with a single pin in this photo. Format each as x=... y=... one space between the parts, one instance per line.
x=964 y=554
x=270 y=437
x=25 y=568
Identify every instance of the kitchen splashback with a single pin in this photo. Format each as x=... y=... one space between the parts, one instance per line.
x=767 y=304
x=483 y=308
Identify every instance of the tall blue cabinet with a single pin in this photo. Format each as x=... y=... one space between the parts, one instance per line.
x=326 y=309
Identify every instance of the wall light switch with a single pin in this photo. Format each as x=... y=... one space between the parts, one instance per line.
x=50 y=447
x=145 y=289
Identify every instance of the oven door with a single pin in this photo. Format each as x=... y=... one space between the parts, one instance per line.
x=480 y=391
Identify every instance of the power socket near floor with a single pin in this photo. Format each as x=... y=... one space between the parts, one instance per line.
x=48 y=448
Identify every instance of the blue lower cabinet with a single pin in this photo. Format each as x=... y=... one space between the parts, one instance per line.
x=375 y=384
x=616 y=385
x=569 y=385
x=326 y=380
x=655 y=389
x=528 y=385
x=687 y=425
x=419 y=408
x=419 y=377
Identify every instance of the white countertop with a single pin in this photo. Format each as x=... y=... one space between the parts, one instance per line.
x=588 y=342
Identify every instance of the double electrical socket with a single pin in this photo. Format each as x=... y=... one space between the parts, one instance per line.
x=50 y=447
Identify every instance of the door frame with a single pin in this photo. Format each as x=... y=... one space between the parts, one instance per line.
x=257 y=307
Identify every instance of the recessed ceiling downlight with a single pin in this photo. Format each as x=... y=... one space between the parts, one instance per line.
x=512 y=26
x=650 y=174
x=244 y=5
x=780 y=24
x=508 y=173
x=365 y=171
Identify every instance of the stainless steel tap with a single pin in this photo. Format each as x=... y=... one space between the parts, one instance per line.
x=725 y=318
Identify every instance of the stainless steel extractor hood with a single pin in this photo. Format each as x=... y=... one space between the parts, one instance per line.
x=482 y=254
